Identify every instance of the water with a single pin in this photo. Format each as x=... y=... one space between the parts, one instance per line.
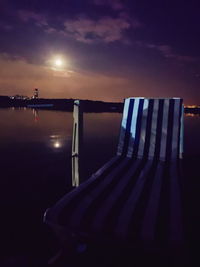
x=36 y=172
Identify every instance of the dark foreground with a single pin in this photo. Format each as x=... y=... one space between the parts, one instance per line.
x=26 y=241
x=34 y=176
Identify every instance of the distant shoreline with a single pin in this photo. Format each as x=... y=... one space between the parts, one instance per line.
x=61 y=104
x=67 y=105
x=192 y=110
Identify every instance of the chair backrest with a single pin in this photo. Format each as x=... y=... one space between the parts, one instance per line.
x=152 y=128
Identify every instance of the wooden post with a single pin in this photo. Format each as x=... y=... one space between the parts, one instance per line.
x=77 y=143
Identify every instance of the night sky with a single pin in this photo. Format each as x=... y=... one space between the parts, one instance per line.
x=110 y=49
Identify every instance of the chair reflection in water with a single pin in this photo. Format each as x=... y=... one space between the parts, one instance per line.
x=135 y=198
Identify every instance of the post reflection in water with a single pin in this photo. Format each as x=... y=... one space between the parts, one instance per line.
x=35 y=114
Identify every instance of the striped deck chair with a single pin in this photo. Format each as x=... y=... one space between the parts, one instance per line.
x=134 y=198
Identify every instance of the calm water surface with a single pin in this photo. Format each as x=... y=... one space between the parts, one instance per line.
x=36 y=171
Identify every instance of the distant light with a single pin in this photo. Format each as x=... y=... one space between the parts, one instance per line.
x=192 y=106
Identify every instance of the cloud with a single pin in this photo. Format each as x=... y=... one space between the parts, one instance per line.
x=168 y=53
x=114 y=4
x=39 y=19
x=6 y=27
x=63 y=73
x=11 y=57
x=106 y=29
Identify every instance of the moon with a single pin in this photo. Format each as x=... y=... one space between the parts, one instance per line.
x=58 y=62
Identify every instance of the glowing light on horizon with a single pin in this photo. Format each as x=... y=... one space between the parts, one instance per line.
x=192 y=106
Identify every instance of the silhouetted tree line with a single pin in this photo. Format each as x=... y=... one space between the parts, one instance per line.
x=63 y=104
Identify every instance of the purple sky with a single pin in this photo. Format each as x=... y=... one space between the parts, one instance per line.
x=111 y=49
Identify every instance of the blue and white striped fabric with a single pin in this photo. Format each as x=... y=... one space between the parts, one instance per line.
x=151 y=128
x=136 y=196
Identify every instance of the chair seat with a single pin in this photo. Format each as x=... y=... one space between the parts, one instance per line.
x=129 y=200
